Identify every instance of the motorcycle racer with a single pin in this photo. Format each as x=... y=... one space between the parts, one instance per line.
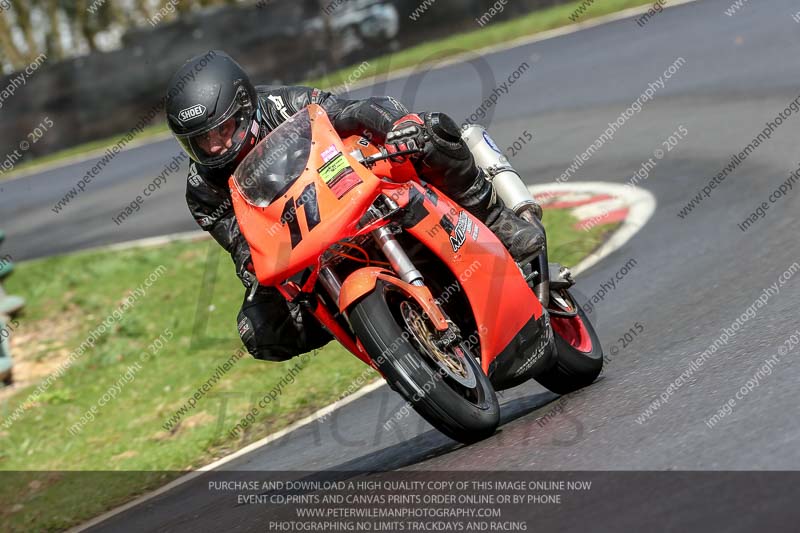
x=218 y=115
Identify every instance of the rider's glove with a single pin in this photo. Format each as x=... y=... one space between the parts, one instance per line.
x=407 y=133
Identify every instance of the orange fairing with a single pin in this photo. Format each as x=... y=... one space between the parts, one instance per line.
x=300 y=190
x=287 y=210
x=358 y=284
x=500 y=299
x=363 y=281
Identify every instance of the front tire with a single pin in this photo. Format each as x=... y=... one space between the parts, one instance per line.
x=579 y=356
x=463 y=413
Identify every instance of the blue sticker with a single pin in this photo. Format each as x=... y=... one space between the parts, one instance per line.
x=491 y=143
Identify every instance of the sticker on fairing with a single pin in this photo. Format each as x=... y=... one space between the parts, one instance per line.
x=542 y=344
x=460 y=232
x=339 y=175
x=329 y=153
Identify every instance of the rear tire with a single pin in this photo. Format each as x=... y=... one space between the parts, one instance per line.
x=579 y=356
x=444 y=404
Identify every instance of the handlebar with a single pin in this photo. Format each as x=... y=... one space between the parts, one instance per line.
x=384 y=154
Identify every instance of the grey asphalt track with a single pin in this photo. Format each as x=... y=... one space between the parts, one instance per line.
x=693 y=276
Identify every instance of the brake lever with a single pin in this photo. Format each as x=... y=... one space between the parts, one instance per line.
x=370 y=161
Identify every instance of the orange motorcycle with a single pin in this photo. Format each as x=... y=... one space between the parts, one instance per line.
x=404 y=278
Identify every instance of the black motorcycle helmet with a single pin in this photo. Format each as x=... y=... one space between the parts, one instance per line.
x=212 y=109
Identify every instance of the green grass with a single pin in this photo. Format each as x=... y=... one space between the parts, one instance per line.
x=568 y=245
x=80 y=291
x=70 y=295
x=422 y=56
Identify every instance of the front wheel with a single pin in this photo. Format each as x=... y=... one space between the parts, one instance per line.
x=445 y=385
x=579 y=356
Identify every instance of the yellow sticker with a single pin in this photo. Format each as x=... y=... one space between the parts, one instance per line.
x=333 y=168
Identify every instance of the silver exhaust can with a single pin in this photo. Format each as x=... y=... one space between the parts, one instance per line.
x=490 y=158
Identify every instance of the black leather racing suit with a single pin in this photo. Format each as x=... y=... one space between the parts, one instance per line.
x=270 y=327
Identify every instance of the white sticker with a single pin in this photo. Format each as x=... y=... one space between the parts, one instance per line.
x=491 y=143
x=459 y=234
x=197 y=110
x=280 y=105
x=194 y=178
x=329 y=153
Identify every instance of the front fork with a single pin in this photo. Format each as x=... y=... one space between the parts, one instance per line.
x=393 y=251
x=386 y=241
x=397 y=257
x=410 y=282
x=405 y=268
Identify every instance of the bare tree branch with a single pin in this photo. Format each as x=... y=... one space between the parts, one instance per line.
x=12 y=54
x=55 y=49
x=23 y=13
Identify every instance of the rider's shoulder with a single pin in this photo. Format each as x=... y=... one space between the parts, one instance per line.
x=290 y=97
x=282 y=101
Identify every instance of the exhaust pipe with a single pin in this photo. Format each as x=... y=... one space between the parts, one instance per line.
x=511 y=189
x=490 y=158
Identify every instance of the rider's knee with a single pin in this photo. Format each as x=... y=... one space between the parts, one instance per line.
x=276 y=354
x=261 y=350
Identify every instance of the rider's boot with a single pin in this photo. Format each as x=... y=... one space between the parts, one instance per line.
x=522 y=239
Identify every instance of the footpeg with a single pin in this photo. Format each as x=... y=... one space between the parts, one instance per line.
x=560 y=276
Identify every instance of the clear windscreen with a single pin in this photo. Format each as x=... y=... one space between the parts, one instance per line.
x=276 y=162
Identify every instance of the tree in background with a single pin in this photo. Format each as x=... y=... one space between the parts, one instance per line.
x=68 y=28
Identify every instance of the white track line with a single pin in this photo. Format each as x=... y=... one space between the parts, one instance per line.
x=642 y=205
x=228 y=458
x=598 y=209
x=149 y=242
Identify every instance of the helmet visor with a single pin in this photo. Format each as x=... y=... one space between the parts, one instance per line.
x=219 y=144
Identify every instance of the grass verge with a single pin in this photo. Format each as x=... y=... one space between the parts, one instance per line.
x=69 y=296
x=421 y=56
